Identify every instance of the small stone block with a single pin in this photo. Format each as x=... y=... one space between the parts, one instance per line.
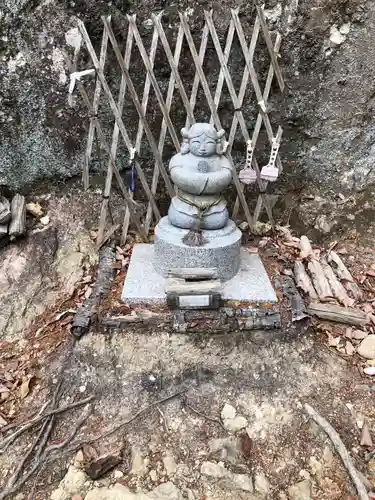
x=208 y=301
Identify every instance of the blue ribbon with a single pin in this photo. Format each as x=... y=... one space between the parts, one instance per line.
x=132 y=177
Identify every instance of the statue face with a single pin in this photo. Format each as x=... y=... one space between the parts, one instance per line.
x=202 y=146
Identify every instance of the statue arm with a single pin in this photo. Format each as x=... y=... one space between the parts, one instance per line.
x=176 y=162
x=218 y=181
x=190 y=182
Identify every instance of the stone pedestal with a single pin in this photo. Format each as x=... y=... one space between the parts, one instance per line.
x=221 y=249
x=250 y=288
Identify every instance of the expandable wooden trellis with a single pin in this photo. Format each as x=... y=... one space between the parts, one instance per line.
x=250 y=77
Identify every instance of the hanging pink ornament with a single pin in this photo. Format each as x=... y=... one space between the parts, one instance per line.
x=248 y=174
x=270 y=172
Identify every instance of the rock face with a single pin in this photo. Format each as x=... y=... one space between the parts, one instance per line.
x=46 y=266
x=327 y=55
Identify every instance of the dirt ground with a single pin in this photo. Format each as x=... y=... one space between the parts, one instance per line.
x=267 y=377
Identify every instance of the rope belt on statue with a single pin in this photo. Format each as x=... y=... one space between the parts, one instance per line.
x=194 y=237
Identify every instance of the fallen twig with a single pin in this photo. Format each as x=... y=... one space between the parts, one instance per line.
x=340 y=449
x=163 y=419
x=18 y=471
x=8 y=427
x=332 y=312
x=206 y=417
x=41 y=459
x=123 y=424
x=59 y=446
x=31 y=423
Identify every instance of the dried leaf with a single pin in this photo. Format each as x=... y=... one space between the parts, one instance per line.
x=25 y=386
x=349 y=333
x=371 y=273
x=3 y=422
x=366 y=436
x=3 y=388
x=333 y=341
x=87 y=279
x=89 y=452
x=120 y=250
x=116 y=265
x=368 y=308
x=8 y=377
x=359 y=335
x=11 y=366
x=349 y=348
x=246 y=445
x=252 y=249
x=263 y=242
x=291 y=244
x=88 y=292
x=360 y=419
x=4 y=396
x=67 y=320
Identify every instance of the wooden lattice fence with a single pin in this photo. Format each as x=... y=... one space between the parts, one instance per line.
x=177 y=89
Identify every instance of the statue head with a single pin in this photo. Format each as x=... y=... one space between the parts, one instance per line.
x=201 y=140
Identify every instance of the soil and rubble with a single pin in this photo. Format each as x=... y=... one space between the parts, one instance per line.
x=151 y=414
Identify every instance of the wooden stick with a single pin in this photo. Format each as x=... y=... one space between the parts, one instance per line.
x=306 y=249
x=115 y=138
x=31 y=423
x=134 y=97
x=320 y=281
x=303 y=280
x=340 y=449
x=337 y=288
x=271 y=51
x=338 y=314
x=95 y=107
x=17 y=225
x=103 y=142
x=138 y=140
x=139 y=413
x=212 y=106
x=4 y=210
x=354 y=289
x=202 y=415
x=340 y=268
x=108 y=235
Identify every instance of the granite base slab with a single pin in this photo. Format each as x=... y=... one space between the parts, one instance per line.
x=145 y=287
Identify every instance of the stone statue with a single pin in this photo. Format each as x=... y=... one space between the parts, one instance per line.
x=201 y=173
x=198 y=232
